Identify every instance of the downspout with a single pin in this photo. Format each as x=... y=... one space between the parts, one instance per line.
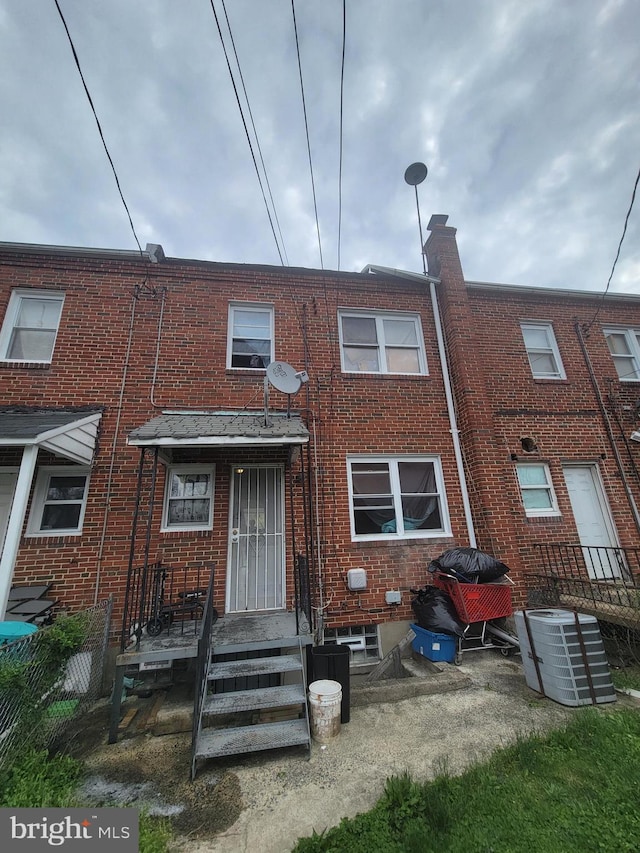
x=607 y=424
x=455 y=432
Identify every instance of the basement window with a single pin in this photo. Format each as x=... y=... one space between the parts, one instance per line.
x=362 y=640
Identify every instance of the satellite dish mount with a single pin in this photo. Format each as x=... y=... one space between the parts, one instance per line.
x=414 y=175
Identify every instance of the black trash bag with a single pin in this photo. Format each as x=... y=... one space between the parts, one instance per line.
x=435 y=611
x=469 y=565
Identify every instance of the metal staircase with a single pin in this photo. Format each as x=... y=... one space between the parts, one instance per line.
x=254 y=702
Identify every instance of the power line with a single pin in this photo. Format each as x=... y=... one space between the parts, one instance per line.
x=246 y=131
x=344 y=41
x=255 y=133
x=95 y=115
x=615 y=261
x=306 y=128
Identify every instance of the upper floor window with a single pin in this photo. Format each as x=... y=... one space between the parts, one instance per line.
x=59 y=501
x=542 y=351
x=396 y=496
x=188 y=503
x=250 y=339
x=381 y=343
x=536 y=489
x=624 y=346
x=30 y=326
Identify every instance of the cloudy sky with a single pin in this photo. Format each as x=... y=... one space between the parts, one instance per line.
x=526 y=112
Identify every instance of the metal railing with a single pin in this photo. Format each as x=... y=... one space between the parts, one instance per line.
x=202 y=670
x=159 y=597
x=45 y=692
x=602 y=580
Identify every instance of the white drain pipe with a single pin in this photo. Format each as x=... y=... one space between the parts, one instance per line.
x=455 y=432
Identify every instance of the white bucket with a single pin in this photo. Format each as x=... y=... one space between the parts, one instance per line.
x=325 y=699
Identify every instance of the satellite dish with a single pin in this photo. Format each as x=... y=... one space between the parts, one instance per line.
x=284 y=377
x=415 y=174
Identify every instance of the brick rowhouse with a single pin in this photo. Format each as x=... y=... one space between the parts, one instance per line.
x=136 y=339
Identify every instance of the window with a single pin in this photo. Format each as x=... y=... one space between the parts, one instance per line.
x=250 y=336
x=542 y=350
x=59 y=501
x=361 y=639
x=188 y=503
x=381 y=343
x=536 y=489
x=624 y=346
x=30 y=326
x=396 y=497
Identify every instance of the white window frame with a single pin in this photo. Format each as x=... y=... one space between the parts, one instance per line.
x=187 y=469
x=632 y=338
x=552 y=510
x=381 y=346
x=394 y=476
x=258 y=308
x=551 y=349
x=39 y=501
x=11 y=318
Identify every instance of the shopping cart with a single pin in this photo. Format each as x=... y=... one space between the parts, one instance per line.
x=477 y=605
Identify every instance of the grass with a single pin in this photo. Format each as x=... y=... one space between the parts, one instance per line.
x=574 y=789
x=38 y=779
x=627 y=678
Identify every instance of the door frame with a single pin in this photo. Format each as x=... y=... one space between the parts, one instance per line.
x=279 y=469
x=607 y=516
x=8 y=469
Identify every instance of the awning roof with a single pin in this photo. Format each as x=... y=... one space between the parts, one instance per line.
x=215 y=430
x=65 y=433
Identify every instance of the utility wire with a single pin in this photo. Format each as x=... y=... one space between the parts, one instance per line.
x=344 y=40
x=95 y=115
x=306 y=128
x=255 y=133
x=624 y=231
x=246 y=130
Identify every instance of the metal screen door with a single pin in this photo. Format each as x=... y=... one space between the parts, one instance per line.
x=256 y=561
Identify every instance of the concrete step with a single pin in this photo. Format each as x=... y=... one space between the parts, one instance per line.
x=250 y=700
x=213 y=743
x=254 y=666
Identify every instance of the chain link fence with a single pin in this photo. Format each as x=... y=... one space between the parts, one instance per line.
x=48 y=679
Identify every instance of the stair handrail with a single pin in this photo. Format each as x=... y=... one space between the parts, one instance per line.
x=205 y=642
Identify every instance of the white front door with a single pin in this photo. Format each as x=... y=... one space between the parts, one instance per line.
x=594 y=522
x=256 y=555
x=8 y=478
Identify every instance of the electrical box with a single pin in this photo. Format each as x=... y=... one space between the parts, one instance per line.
x=392 y=596
x=356 y=579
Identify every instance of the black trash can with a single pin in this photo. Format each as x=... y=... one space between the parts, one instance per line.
x=332 y=662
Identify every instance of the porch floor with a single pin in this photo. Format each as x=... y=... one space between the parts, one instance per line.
x=247 y=631
x=230 y=633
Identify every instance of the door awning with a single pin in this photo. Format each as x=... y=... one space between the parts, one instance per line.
x=65 y=433
x=215 y=430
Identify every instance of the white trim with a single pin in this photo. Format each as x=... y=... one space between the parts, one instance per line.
x=14 y=526
x=11 y=316
x=551 y=349
x=554 y=509
x=187 y=469
x=45 y=473
x=389 y=459
x=258 y=308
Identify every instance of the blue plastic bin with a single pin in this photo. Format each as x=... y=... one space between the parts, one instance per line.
x=436 y=647
x=10 y=631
